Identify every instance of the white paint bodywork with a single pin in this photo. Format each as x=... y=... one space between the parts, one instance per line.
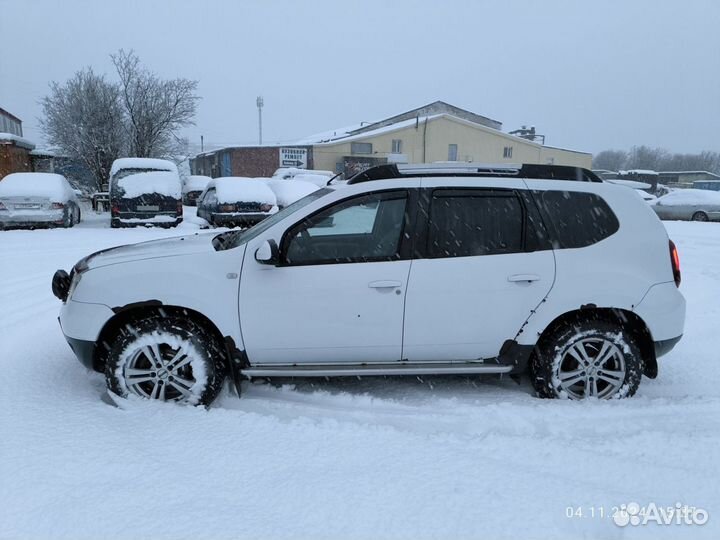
x=422 y=310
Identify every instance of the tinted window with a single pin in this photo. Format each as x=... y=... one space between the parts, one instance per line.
x=467 y=223
x=577 y=219
x=361 y=229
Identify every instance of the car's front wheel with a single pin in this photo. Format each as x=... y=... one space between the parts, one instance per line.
x=166 y=358
x=585 y=359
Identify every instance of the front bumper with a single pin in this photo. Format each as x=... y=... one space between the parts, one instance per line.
x=81 y=324
x=84 y=352
x=239 y=218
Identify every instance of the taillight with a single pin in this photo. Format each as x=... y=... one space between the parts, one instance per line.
x=57 y=206
x=115 y=210
x=266 y=207
x=675 y=261
x=179 y=208
x=228 y=208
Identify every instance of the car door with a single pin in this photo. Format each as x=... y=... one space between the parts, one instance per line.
x=337 y=295
x=206 y=204
x=483 y=272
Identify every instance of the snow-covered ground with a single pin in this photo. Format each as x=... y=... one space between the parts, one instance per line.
x=371 y=458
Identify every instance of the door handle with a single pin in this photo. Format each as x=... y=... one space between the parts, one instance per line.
x=384 y=284
x=524 y=277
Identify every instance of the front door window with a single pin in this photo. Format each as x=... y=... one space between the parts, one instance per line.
x=363 y=229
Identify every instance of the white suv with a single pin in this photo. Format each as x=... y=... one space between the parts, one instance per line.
x=403 y=271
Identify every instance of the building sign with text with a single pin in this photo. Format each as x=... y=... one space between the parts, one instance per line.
x=293 y=157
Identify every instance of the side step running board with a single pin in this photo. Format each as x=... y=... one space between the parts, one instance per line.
x=397 y=368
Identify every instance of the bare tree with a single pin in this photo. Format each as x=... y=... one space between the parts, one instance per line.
x=156 y=109
x=84 y=119
x=658 y=159
x=644 y=157
x=611 y=160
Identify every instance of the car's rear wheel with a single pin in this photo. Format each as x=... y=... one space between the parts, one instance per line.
x=166 y=358
x=585 y=359
x=700 y=216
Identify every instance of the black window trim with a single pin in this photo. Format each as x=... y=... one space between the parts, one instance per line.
x=404 y=251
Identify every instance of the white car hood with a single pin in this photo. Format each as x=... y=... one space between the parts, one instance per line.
x=154 y=249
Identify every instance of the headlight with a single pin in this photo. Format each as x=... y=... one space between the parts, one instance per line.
x=74 y=280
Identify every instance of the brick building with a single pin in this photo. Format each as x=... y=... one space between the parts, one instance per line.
x=252 y=161
x=14 y=149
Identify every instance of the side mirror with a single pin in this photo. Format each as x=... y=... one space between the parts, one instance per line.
x=268 y=253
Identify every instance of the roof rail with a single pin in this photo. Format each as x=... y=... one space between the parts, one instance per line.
x=525 y=170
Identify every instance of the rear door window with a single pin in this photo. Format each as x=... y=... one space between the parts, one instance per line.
x=470 y=222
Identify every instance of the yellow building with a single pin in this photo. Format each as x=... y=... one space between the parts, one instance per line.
x=438 y=132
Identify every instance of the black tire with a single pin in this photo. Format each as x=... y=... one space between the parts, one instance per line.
x=114 y=223
x=147 y=346
x=556 y=362
x=700 y=216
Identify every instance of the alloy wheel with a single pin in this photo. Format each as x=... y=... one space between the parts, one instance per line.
x=160 y=371
x=591 y=367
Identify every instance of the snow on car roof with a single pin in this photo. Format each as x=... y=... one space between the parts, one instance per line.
x=287 y=192
x=196 y=182
x=233 y=189
x=690 y=196
x=160 y=182
x=142 y=163
x=34 y=184
x=319 y=180
x=294 y=171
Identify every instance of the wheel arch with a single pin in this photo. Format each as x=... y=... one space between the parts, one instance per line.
x=630 y=322
x=134 y=312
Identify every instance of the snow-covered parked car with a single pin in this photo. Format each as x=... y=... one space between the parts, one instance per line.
x=193 y=187
x=320 y=180
x=404 y=271
x=235 y=201
x=288 y=173
x=37 y=200
x=145 y=191
x=688 y=205
x=287 y=192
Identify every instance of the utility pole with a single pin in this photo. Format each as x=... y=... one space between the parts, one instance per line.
x=260 y=104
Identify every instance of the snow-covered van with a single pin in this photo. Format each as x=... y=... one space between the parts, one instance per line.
x=145 y=191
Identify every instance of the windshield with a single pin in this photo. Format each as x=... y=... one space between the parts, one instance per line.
x=233 y=239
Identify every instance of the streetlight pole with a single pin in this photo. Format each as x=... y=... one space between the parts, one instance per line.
x=260 y=104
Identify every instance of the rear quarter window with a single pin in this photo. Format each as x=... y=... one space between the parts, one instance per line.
x=576 y=219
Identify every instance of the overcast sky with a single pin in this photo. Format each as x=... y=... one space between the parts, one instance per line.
x=589 y=75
